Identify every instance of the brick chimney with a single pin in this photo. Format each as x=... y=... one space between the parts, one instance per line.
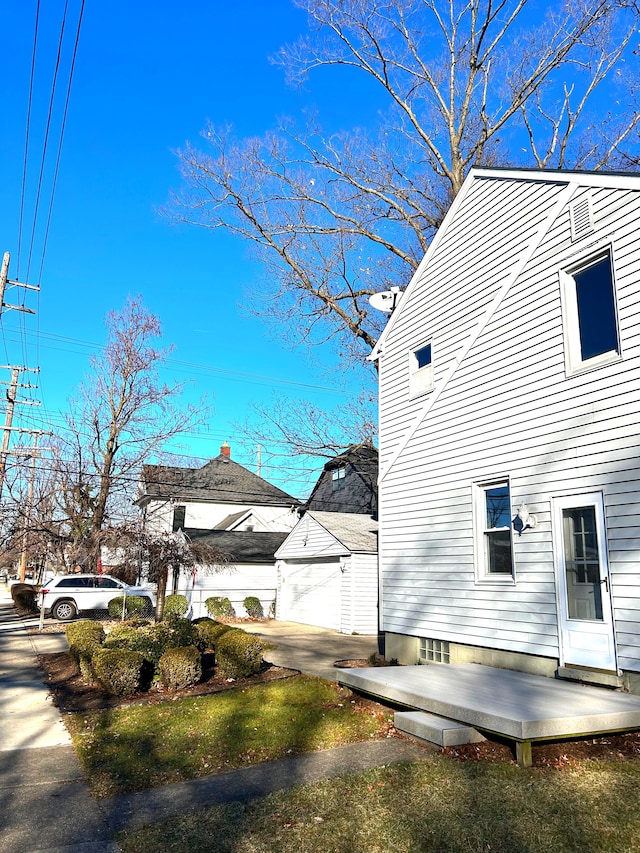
x=225 y=450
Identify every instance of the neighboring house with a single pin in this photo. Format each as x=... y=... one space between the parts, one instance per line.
x=348 y=483
x=231 y=507
x=510 y=432
x=251 y=571
x=328 y=572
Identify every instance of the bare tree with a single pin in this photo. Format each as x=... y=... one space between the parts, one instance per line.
x=124 y=414
x=485 y=82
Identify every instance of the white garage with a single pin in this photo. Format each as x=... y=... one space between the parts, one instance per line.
x=327 y=573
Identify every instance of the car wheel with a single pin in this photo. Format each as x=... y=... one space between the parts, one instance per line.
x=64 y=610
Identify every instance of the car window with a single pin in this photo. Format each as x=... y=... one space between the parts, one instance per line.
x=73 y=582
x=107 y=583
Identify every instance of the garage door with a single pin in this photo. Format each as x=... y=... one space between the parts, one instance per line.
x=310 y=593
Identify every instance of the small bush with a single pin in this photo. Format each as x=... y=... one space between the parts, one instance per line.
x=85 y=638
x=119 y=671
x=134 y=605
x=210 y=632
x=180 y=667
x=153 y=640
x=219 y=607
x=175 y=605
x=24 y=596
x=238 y=654
x=253 y=607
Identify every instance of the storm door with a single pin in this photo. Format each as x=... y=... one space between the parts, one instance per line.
x=586 y=619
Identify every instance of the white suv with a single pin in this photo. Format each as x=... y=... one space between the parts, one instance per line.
x=66 y=595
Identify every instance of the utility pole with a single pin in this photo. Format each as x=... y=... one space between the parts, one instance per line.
x=28 y=509
x=6 y=281
x=11 y=394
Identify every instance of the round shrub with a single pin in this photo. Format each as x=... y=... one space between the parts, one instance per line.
x=84 y=638
x=238 y=654
x=219 y=607
x=119 y=671
x=153 y=640
x=253 y=607
x=175 y=605
x=134 y=605
x=24 y=596
x=210 y=631
x=180 y=667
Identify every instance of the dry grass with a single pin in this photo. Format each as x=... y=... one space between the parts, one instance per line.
x=440 y=806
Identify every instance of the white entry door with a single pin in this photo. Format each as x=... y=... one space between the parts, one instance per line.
x=586 y=619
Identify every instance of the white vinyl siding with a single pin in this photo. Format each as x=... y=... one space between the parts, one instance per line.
x=508 y=406
x=235 y=583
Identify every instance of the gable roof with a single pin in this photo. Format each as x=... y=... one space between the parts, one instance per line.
x=527 y=204
x=221 y=481
x=624 y=180
x=242 y=546
x=361 y=496
x=357 y=532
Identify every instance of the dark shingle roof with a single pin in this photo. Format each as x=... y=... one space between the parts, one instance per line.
x=220 y=480
x=242 y=546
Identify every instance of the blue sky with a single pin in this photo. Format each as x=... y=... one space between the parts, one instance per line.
x=148 y=76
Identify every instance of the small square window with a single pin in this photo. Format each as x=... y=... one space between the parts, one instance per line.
x=420 y=371
x=337 y=478
x=493 y=530
x=591 y=324
x=179 y=514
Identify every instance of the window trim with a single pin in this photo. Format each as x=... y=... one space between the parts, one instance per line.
x=574 y=363
x=420 y=378
x=483 y=575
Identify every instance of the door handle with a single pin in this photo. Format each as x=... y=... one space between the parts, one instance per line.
x=605 y=581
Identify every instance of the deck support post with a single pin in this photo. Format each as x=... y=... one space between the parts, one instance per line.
x=523 y=753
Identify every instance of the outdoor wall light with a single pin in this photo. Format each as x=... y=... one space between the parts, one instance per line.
x=524 y=520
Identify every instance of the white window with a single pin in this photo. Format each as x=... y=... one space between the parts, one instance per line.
x=337 y=478
x=591 y=322
x=493 y=530
x=420 y=371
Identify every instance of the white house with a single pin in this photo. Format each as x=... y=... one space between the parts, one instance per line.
x=328 y=572
x=231 y=508
x=510 y=432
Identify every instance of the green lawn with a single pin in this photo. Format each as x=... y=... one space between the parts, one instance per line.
x=440 y=806
x=139 y=747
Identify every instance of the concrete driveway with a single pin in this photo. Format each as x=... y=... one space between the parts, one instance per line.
x=311 y=650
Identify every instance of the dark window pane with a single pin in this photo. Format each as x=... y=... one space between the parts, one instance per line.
x=582 y=563
x=596 y=310
x=107 y=583
x=498 y=508
x=423 y=356
x=499 y=552
x=178 y=518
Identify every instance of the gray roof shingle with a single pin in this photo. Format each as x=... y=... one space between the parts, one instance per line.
x=221 y=480
x=356 y=531
x=243 y=546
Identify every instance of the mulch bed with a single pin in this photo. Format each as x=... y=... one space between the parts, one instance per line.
x=71 y=693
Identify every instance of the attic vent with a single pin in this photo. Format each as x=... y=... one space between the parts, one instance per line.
x=581 y=218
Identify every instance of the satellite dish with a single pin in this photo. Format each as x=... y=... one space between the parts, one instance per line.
x=386 y=300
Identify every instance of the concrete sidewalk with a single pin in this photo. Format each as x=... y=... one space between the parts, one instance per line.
x=44 y=802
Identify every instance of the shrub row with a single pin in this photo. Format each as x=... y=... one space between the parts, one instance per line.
x=220 y=607
x=134 y=653
x=130 y=605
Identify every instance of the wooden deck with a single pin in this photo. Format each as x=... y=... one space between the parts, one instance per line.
x=518 y=706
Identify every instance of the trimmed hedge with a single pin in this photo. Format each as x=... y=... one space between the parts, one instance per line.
x=238 y=654
x=134 y=605
x=210 y=632
x=119 y=671
x=180 y=667
x=175 y=605
x=253 y=606
x=153 y=640
x=24 y=596
x=220 y=606
x=85 y=638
